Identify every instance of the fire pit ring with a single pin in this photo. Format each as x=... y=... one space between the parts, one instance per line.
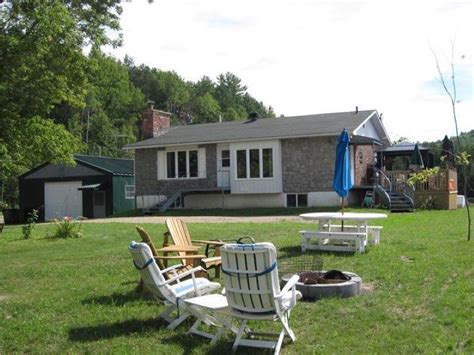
x=343 y=288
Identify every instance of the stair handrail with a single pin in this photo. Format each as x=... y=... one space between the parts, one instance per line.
x=408 y=191
x=380 y=189
x=379 y=172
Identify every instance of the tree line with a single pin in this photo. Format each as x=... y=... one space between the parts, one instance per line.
x=61 y=95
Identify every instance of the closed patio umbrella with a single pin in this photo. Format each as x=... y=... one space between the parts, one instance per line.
x=416 y=160
x=342 y=167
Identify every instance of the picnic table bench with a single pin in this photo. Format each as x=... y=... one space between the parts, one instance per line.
x=341 y=237
x=334 y=241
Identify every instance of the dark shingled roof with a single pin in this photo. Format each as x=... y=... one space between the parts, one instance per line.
x=326 y=124
x=114 y=166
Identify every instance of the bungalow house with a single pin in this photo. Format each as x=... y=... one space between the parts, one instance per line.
x=96 y=187
x=268 y=162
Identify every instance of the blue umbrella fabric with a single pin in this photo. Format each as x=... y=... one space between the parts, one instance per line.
x=342 y=170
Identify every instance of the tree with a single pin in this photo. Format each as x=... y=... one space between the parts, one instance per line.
x=205 y=109
x=42 y=67
x=462 y=156
x=229 y=91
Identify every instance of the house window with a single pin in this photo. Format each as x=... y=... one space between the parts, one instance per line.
x=171 y=165
x=129 y=192
x=297 y=200
x=225 y=158
x=255 y=163
x=193 y=163
x=267 y=158
x=182 y=164
x=241 y=164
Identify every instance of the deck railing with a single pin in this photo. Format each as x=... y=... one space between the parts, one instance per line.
x=444 y=181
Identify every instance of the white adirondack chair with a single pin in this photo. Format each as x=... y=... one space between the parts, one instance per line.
x=252 y=288
x=171 y=291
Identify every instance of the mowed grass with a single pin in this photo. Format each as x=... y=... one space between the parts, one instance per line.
x=77 y=295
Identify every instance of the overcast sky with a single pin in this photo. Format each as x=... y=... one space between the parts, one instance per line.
x=308 y=57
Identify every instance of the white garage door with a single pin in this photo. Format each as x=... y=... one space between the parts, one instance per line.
x=62 y=199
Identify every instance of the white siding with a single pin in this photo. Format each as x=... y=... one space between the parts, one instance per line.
x=202 y=163
x=368 y=129
x=256 y=185
x=161 y=165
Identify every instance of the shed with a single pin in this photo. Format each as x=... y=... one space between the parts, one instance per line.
x=96 y=187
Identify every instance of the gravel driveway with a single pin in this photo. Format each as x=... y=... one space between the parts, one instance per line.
x=198 y=219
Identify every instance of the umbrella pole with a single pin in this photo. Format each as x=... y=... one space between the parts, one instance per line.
x=342 y=220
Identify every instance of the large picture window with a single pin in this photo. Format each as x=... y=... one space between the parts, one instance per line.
x=254 y=163
x=241 y=164
x=182 y=164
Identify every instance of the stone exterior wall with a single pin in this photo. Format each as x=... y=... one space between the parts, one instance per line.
x=146 y=175
x=308 y=164
x=363 y=157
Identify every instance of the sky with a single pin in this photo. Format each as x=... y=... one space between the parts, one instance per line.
x=307 y=57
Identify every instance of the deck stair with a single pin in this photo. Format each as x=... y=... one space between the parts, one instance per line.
x=397 y=196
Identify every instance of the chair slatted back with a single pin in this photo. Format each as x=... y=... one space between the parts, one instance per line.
x=147 y=239
x=250 y=276
x=179 y=233
x=150 y=272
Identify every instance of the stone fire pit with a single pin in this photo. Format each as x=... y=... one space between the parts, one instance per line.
x=315 y=285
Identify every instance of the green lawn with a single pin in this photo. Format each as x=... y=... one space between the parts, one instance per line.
x=77 y=295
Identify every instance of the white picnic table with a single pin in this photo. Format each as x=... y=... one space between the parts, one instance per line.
x=341 y=236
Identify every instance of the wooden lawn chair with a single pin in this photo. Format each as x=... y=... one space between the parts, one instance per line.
x=161 y=260
x=179 y=233
x=172 y=291
x=252 y=289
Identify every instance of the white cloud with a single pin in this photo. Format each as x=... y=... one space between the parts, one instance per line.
x=306 y=57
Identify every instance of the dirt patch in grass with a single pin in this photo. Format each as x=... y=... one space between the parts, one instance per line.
x=4 y=297
x=368 y=287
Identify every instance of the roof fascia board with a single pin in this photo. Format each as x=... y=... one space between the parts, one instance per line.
x=230 y=141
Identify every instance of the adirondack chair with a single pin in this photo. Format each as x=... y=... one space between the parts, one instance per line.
x=179 y=268
x=179 y=233
x=172 y=291
x=252 y=289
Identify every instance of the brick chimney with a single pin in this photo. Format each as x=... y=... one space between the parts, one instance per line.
x=154 y=122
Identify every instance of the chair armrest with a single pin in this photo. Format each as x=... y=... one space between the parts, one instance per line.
x=289 y=285
x=172 y=267
x=182 y=275
x=209 y=242
x=178 y=248
x=174 y=257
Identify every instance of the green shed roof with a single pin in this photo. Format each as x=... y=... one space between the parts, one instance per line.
x=114 y=166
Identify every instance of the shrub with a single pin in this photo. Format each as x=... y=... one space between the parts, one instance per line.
x=68 y=228
x=30 y=224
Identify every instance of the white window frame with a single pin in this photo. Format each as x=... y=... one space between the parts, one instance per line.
x=129 y=192
x=260 y=164
x=176 y=168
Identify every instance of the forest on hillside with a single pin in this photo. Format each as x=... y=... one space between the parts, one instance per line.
x=56 y=100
